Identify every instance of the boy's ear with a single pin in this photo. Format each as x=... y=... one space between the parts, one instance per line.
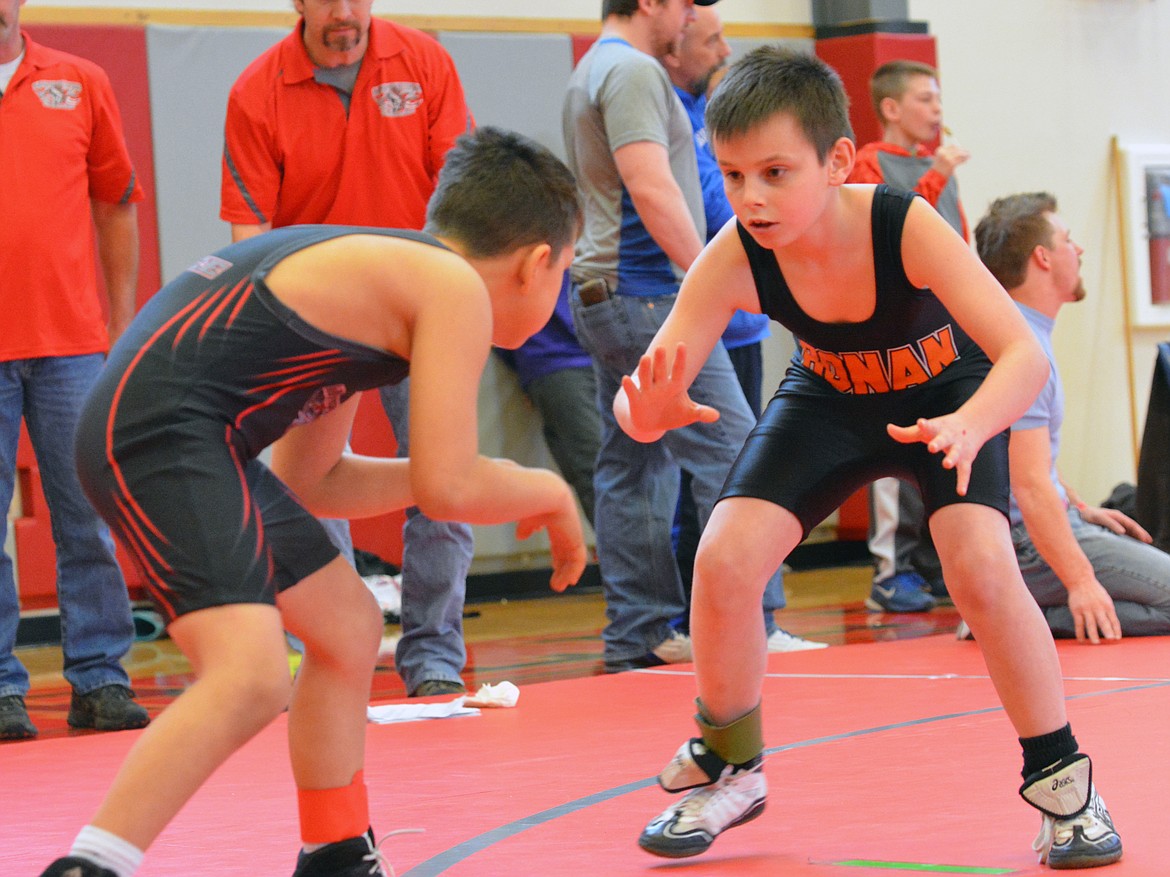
x=890 y=110
x=532 y=260
x=840 y=160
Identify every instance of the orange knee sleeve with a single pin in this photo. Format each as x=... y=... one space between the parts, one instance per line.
x=329 y=815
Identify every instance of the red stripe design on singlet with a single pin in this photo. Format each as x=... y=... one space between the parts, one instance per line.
x=299 y=377
x=199 y=311
x=242 y=289
x=250 y=510
x=136 y=519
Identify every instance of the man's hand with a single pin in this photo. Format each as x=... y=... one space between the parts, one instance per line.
x=1117 y=521
x=948 y=435
x=655 y=400
x=1093 y=612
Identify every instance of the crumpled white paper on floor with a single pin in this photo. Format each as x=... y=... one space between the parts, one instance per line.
x=502 y=695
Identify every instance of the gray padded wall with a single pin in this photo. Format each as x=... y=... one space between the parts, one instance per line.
x=191 y=72
x=515 y=81
x=740 y=46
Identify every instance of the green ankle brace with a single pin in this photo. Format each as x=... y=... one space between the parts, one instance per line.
x=737 y=742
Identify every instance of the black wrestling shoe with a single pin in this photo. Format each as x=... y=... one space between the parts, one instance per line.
x=72 y=866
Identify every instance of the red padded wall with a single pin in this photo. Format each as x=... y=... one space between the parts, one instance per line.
x=856 y=57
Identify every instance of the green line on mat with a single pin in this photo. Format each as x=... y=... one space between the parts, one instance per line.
x=916 y=866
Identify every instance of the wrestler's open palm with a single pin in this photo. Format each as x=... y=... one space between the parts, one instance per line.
x=658 y=399
x=948 y=435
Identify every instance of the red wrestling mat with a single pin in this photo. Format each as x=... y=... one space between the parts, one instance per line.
x=883 y=759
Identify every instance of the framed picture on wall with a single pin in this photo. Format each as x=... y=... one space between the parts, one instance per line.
x=1145 y=189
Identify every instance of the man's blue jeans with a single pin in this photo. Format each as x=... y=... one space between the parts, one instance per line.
x=96 y=626
x=636 y=485
x=436 y=556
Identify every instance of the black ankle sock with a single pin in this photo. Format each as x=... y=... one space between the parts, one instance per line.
x=1047 y=749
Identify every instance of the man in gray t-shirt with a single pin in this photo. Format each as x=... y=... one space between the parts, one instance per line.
x=629 y=142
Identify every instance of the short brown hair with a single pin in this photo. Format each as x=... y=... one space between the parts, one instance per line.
x=773 y=79
x=500 y=191
x=1013 y=227
x=892 y=79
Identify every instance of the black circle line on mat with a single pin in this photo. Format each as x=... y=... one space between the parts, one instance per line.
x=449 y=858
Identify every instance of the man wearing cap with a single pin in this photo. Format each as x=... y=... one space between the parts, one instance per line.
x=628 y=140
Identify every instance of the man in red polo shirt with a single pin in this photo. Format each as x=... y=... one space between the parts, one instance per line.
x=347 y=121
x=61 y=147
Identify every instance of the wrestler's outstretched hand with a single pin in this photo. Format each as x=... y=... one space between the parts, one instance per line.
x=655 y=399
x=949 y=435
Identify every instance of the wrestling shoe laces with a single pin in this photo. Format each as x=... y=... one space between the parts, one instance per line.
x=691 y=826
x=1082 y=841
x=379 y=864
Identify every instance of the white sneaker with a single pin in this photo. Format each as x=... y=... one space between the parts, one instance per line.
x=783 y=641
x=675 y=649
x=387 y=590
x=691 y=826
x=1082 y=841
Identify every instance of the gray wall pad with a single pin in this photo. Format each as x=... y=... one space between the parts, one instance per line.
x=192 y=69
x=515 y=81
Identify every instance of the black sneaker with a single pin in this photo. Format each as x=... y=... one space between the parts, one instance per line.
x=433 y=687
x=71 y=866
x=14 y=721
x=109 y=708
x=355 y=857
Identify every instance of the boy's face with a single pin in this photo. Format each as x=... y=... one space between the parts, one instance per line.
x=775 y=182
x=917 y=114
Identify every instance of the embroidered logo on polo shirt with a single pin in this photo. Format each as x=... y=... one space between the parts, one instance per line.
x=58 y=94
x=397 y=98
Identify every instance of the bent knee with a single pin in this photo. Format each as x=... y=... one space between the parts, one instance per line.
x=726 y=581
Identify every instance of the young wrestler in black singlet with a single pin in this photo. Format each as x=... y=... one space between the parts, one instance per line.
x=913 y=361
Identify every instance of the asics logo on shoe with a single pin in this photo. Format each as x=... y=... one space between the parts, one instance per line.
x=1061 y=783
x=671 y=830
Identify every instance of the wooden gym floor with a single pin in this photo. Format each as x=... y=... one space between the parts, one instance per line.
x=538 y=639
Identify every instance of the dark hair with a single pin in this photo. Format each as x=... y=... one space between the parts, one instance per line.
x=1011 y=230
x=499 y=191
x=773 y=79
x=892 y=79
x=624 y=8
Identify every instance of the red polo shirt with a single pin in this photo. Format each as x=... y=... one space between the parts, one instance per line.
x=292 y=154
x=61 y=144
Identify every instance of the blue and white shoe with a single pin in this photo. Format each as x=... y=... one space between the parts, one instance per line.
x=904 y=592
x=1086 y=840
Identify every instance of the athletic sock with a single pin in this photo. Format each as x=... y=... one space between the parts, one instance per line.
x=107 y=851
x=1047 y=749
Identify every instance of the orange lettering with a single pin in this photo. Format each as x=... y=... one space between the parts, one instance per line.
x=939 y=350
x=866 y=372
x=905 y=369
